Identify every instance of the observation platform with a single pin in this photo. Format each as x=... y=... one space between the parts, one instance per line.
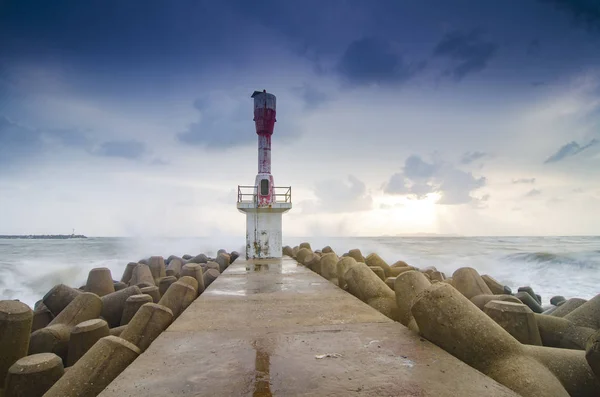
x=274 y=328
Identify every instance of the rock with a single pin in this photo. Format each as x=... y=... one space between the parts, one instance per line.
x=567 y=307
x=357 y=255
x=141 y=273
x=55 y=337
x=33 y=375
x=328 y=266
x=59 y=297
x=119 y=285
x=528 y=300
x=342 y=267
x=83 y=337
x=400 y=264
x=132 y=305
x=302 y=254
x=100 y=281
x=375 y=260
x=178 y=297
x=96 y=369
x=481 y=300
x=223 y=261
x=529 y=290
x=560 y=332
x=586 y=315
x=288 y=251
x=493 y=285
x=15 y=327
x=365 y=285
x=378 y=271
x=194 y=270
x=516 y=318
x=469 y=282
x=556 y=300
x=164 y=284
x=210 y=275
x=157 y=267
x=114 y=304
x=407 y=286
x=174 y=267
x=152 y=291
x=305 y=245
x=145 y=326
x=128 y=272
x=592 y=353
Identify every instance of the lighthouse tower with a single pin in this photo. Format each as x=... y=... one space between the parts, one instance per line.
x=264 y=203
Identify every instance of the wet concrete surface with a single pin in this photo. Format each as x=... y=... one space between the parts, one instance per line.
x=274 y=328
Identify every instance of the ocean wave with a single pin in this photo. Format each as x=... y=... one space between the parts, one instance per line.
x=580 y=260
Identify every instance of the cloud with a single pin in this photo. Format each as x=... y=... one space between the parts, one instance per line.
x=121 y=149
x=335 y=196
x=469 y=157
x=584 y=12
x=569 y=150
x=420 y=178
x=311 y=96
x=523 y=181
x=533 y=193
x=373 y=60
x=468 y=51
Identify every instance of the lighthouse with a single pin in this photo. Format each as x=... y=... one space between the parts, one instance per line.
x=264 y=203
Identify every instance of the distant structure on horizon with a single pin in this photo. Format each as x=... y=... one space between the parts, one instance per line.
x=42 y=236
x=264 y=203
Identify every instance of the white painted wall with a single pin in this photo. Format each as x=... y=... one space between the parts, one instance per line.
x=263 y=234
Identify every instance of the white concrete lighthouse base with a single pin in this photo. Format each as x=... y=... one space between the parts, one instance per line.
x=263 y=232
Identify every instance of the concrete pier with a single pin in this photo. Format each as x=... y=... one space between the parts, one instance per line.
x=275 y=328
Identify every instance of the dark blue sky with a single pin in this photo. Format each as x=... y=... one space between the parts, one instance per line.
x=478 y=93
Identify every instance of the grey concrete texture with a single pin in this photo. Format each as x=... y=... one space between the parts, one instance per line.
x=33 y=375
x=274 y=328
x=15 y=327
x=59 y=297
x=516 y=318
x=83 y=336
x=100 y=281
x=567 y=307
x=114 y=304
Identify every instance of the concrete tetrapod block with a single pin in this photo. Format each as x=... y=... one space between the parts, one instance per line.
x=96 y=369
x=200 y=258
x=481 y=300
x=567 y=307
x=407 y=286
x=59 y=297
x=396 y=271
x=83 y=337
x=33 y=375
x=493 y=285
x=194 y=270
x=517 y=319
x=327 y=249
x=469 y=282
x=390 y=281
x=530 y=291
x=448 y=319
x=587 y=315
x=302 y=254
x=223 y=261
x=186 y=257
x=15 y=327
x=328 y=266
x=178 y=297
x=560 y=332
x=191 y=281
x=368 y=287
x=233 y=255
x=164 y=284
x=313 y=262
x=213 y=265
x=342 y=267
x=399 y=264
x=41 y=317
x=100 y=281
x=147 y=324
x=127 y=273
x=119 y=285
x=174 y=267
x=529 y=301
x=210 y=275
x=288 y=251
x=592 y=353
x=436 y=276
x=375 y=260
x=305 y=245
x=132 y=305
x=141 y=274
x=116 y=331
x=152 y=291
x=357 y=255
x=114 y=304
x=55 y=337
x=378 y=271
x=295 y=251
x=157 y=267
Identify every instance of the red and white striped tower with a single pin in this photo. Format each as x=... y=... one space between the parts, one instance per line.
x=263 y=206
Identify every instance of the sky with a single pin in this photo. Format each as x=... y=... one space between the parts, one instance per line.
x=393 y=117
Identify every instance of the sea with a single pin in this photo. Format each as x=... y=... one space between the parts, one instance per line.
x=567 y=266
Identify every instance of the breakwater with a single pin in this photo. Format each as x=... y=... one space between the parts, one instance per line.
x=75 y=341
x=511 y=337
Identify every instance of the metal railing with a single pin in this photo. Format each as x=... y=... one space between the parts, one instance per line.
x=248 y=194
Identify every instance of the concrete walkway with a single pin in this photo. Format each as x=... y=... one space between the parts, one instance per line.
x=274 y=328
